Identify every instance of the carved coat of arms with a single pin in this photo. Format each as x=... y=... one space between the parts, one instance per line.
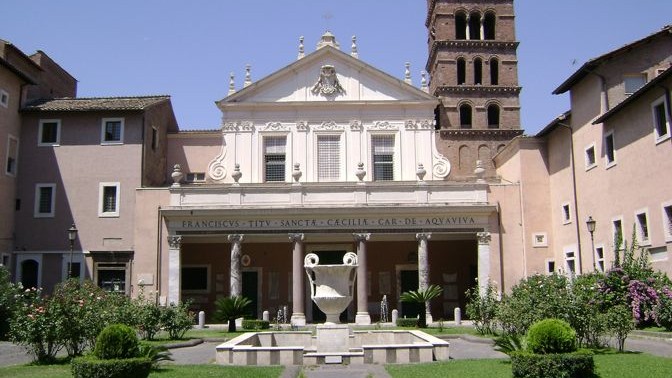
x=327 y=84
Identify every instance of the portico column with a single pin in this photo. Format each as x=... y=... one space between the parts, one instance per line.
x=174 y=267
x=423 y=268
x=236 y=280
x=362 y=316
x=298 y=312
x=483 y=260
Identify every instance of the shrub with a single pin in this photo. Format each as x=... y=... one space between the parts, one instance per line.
x=116 y=341
x=155 y=353
x=91 y=367
x=509 y=343
x=568 y=365
x=585 y=314
x=256 y=324
x=482 y=309
x=149 y=318
x=407 y=322
x=422 y=296
x=231 y=308
x=663 y=309
x=176 y=320
x=551 y=336
x=619 y=323
x=9 y=294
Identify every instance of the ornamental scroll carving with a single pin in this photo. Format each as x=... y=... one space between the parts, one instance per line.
x=356 y=125
x=275 y=126
x=238 y=126
x=216 y=169
x=383 y=125
x=441 y=166
x=423 y=124
x=174 y=241
x=329 y=126
x=302 y=126
x=483 y=237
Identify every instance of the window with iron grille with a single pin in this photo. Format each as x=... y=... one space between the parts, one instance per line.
x=383 y=157
x=274 y=158
x=109 y=199
x=328 y=157
x=44 y=200
x=113 y=131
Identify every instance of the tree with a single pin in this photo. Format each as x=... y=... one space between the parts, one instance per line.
x=422 y=296
x=229 y=309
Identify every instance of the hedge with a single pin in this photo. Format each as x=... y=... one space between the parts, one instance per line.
x=92 y=367
x=578 y=364
x=256 y=324
x=407 y=322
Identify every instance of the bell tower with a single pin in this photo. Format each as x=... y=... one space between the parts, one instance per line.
x=473 y=70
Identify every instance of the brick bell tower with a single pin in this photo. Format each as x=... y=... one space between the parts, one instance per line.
x=473 y=70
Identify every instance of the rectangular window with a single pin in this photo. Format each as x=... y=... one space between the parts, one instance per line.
x=328 y=157
x=550 y=266
x=4 y=98
x=109 y=199
x=633 y=83
x=195 y=279
x=49 y=133
x=661 y=121
x=12 y=155
x=155 y=138
x=643 y=228
x=667 y=221
x=383 y=157
x=609 y=149
x=45 y=196
x=195 y=177
x=112 y=131
x=617 y=225
x=274 y=158
x=566 y=213
x=570 y=262
x=590 y=157
x=599 y=258
x=111 y=277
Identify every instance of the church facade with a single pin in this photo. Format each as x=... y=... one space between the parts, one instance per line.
x=329 y=155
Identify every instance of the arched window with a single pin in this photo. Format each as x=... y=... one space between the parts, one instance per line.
x=460 y=25
x=465 y=116
x=478 y=71
x=461 y=71
x=475 y=26
x=493 y=116
x=489 y=26
x=29 y=269
x=494 y=71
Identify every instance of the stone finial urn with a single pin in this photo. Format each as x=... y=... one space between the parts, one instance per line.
x=331 y=286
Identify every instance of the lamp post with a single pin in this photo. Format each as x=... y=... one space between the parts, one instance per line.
x=72 y=235
x=591 y=223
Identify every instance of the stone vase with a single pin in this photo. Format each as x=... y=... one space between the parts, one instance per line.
x=331 y=286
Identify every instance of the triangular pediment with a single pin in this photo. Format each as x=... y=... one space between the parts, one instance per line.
x=298 y=82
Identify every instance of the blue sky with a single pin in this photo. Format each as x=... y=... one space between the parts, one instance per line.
x=187 y=49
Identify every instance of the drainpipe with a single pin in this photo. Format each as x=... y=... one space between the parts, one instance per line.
x=576 y=202
x=158 y=250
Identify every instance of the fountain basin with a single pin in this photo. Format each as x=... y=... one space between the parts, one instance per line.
x=362 y=347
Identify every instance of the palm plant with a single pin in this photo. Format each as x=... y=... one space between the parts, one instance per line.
x=421 y=297
x=231 y=308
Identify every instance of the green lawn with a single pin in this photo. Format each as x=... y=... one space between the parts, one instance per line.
x=172 y=371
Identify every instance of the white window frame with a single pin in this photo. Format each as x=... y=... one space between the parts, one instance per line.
x=3 y=94
x=101 y=199
x=613 y=232
x=658 y=138
x=590 y=165
x=566 y=215
x=208 y=268
x=607 y=163
x=11 y=137
x=340 y=156
x=121 y=132
x=58 y=133
x=638 y=227
x=667 y=220
x=194 y=177
x=36 y=209
x=76 y=258
x=658 y=254
x=262 y=160
x=396 y=161
x=599 y=259
x=546 y=262
x=538 y=244
x=566 y=251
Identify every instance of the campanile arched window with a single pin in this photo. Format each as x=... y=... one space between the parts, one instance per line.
x=461 y=71
x=465 y=116
x=489 y=26
x=494 y=71
x=475 y=26
x=460 y=25
x=493 y=116
x=478 y=71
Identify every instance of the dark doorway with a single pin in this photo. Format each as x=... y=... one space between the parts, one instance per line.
x=251 y=291
x=409 y=281
x=328 y=258
x=29 y=270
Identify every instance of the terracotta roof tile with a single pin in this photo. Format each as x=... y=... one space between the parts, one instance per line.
x=84 y=104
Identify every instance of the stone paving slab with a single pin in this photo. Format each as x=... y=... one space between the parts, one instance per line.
x=339 y=371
